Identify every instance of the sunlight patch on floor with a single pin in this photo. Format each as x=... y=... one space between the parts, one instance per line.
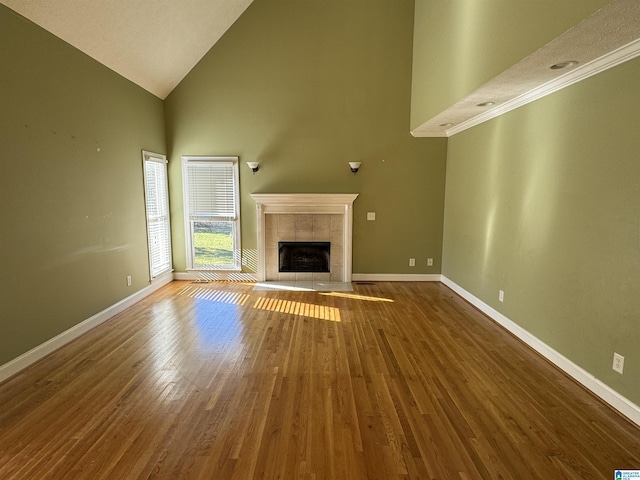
x=311 y=310
x=215 y=295
x=353 y=296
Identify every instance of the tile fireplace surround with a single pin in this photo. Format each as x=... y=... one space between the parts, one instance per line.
x=305 y=217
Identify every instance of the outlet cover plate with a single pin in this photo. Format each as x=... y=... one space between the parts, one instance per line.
x=618 y=363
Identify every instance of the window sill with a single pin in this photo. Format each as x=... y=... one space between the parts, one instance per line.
x=216 y=270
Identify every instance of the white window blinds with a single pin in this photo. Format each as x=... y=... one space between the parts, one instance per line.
x=157 y=206
x=212 y=213
x=211 y=190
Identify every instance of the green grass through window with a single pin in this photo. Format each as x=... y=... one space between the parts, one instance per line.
x=213 y=243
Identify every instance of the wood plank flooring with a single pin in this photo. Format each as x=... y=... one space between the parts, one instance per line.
x=392 y=381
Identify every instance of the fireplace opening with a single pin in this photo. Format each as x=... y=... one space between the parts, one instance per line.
x=304 y=256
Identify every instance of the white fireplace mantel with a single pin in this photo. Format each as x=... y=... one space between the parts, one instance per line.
x=305 y=203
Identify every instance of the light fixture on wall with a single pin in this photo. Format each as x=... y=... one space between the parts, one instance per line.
x=254 y=166
x=355 y=166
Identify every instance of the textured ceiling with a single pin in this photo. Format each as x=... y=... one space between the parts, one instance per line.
x=153 y=43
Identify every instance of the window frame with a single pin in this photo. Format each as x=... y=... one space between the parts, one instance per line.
x=236 y=266
x=164 y=218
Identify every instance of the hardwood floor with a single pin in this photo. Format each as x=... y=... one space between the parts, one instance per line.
x=392 y=381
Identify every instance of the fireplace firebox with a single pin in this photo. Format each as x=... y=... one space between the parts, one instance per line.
x=304 y=256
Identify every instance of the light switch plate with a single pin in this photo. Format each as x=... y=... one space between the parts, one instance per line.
x=371 y=215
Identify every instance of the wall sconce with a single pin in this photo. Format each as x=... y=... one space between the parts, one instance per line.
x=254 y=166
x=355 y=166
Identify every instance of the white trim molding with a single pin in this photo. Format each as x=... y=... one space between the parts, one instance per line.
x=305 y=203
x=607 y=61
x=37 y=353
x=623 y=405
x=396 y=277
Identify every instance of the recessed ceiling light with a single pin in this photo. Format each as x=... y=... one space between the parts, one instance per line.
x=561 y=65
x=485 y=104
x=449 y=124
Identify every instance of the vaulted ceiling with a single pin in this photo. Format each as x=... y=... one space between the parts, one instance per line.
x=153 y=43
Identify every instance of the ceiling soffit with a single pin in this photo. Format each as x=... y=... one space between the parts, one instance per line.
x=607 y=38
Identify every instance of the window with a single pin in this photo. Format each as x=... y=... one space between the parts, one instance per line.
x=212 y=213
x=156 y=196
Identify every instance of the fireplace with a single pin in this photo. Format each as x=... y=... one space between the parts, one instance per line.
x=304 y=257
x=309 y=218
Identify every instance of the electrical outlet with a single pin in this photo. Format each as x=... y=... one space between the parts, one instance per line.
x=371 y=216
x=412 y=262
x=501 y=295
x=429 y=262
x=128 y=280
x=618 y=363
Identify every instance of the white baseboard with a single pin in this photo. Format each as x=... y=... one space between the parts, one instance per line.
x=28 y=358
x=195 y=275
x=625 y=406
x=395 y=277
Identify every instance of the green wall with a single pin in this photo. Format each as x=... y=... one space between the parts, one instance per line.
x=305 y=87
x=544 y=203
x=71 y=194
x=459 y=45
